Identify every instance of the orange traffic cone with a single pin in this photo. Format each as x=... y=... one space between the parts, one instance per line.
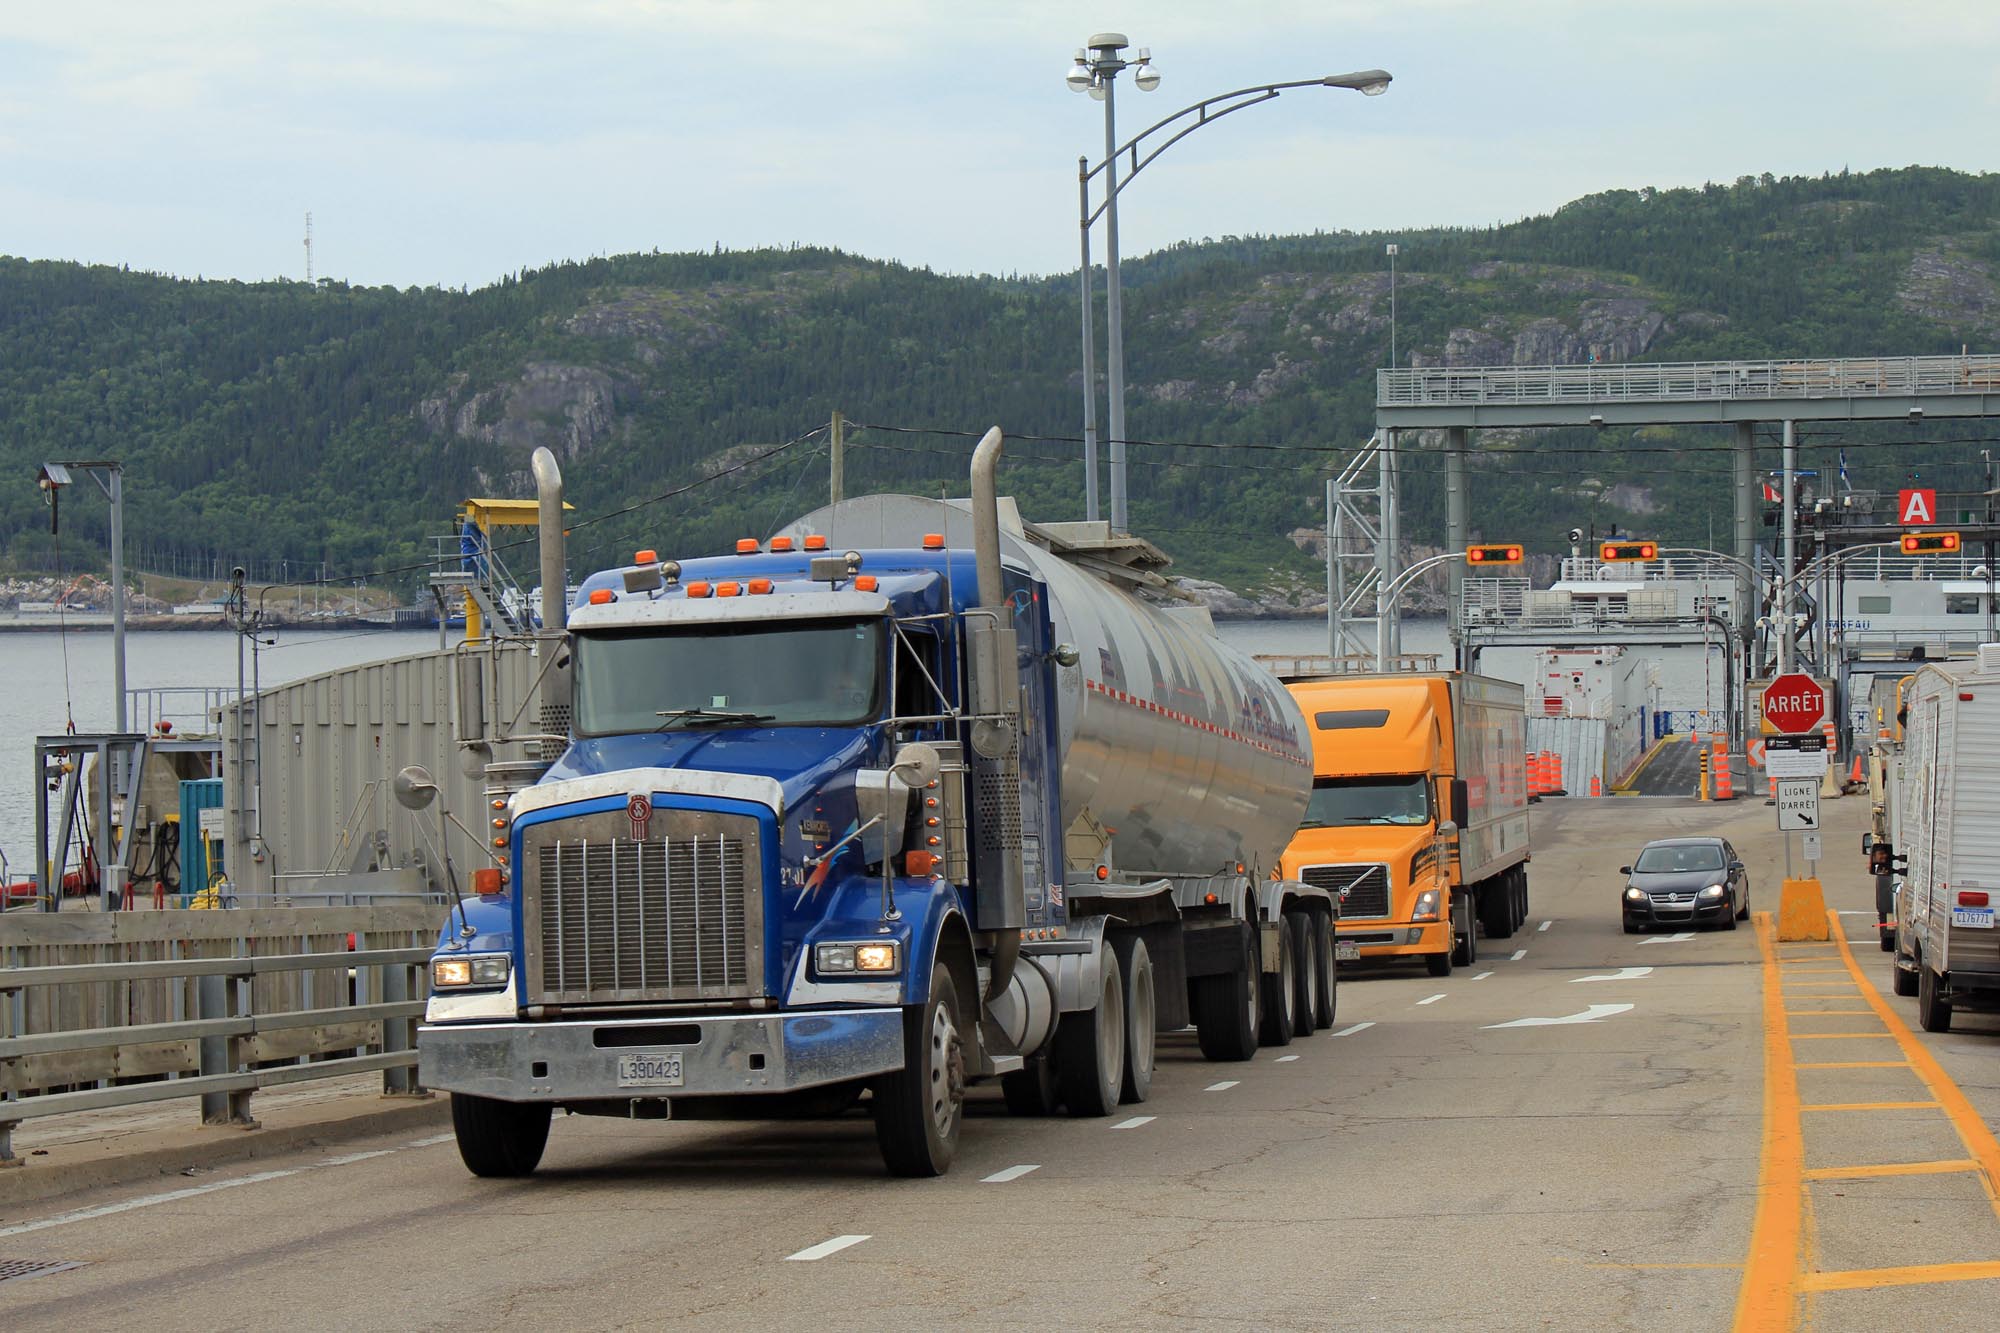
x=1556 y=773
x=1719 y=766
x=1857 y=776
x=1596 y=785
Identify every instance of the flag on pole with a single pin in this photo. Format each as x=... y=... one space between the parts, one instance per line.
x=1843 y=472
x=1771 y=495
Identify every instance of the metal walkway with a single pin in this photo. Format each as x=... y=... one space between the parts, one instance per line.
x=1671 y=768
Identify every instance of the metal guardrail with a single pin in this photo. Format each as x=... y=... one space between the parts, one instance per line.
x=219 y=1028
x=1690 y=381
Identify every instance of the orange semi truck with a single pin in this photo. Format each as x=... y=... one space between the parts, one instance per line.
x=1419 y=812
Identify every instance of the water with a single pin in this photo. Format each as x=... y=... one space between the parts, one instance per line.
x=50 y=676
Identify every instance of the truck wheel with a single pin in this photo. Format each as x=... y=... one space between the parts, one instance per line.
x=1299 y=923
x=1902 y=980
x=1031 y=1089
x=1933 y=1010
x=1465 y=943
x=1225 y=1010
x=1520 y=896
x=919 y=1107
x=1090 y=1046
x=1136 y=962
x=1281 y=993
x=499 y=1139
x=1326 y=992
x=1496 y=907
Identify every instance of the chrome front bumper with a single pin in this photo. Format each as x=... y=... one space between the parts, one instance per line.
x=578 y=1059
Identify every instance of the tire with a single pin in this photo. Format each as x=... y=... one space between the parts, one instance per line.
x=1520 y=896
x=1933 y=1010
x=1135 y=961
x=920 y=1107
x=1731 y=916
x=1299 y=923
x=1902 y=980
x=1031 y=1090
x=1888 y=934
x=1281 y=992
x=1225 y=1009
x=1438 y=964
x=499 y=1140
x=1326 y=992
x=1090 y=1046
x=1464 y=948
x=1631 y=928
x=1743 y=912
x=1496 y=907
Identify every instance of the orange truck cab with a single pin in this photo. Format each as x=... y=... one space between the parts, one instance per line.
x=1419 y=812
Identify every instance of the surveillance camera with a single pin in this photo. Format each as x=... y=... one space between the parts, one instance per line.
x=237 y=573
x=1576 y=534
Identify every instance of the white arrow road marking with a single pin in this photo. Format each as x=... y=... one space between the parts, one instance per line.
x=1622 y=974
x=1011 y=1173
x=1544 y=926
x=1519 y=954
x=1482 y=976
x=1431 y=999
x=824 y=1248
x=1675 y=938
x=1590 y=1015
x=1134 y=1122
x=1348 y=1032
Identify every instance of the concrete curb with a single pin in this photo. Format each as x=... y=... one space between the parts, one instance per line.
x=171 y=1153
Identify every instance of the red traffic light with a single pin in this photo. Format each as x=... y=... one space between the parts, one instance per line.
x=1930 y=543
x=1502 y=553
x=1611 y=552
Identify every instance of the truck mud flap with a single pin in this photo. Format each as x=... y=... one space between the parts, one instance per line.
x=1212 y=949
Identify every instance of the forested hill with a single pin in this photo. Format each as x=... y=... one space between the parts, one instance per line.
x=340 y=425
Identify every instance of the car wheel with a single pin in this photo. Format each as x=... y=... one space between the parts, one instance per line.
x=1730 y=916
x=1631 y=926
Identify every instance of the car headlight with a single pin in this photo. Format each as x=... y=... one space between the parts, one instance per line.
x=480 y=970
x=1714 y=891
x=1427 y=906
x=1634 y=894
x=871 y=956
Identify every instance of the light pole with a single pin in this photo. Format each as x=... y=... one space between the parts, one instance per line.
x=1095 y=71
x=1391 y=247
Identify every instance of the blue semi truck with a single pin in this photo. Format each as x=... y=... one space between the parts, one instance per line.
x=910 y=796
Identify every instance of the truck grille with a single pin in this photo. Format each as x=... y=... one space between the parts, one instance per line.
x=678 y=915
x=1363 y=889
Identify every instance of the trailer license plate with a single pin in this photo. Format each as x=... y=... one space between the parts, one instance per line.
x=657 y=1070
x=1979 y=918
x=1346 y=951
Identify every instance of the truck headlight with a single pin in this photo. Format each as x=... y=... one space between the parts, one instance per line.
x=480 y=970
x=873 y=956
x=1427 y=906
x=1634 y=895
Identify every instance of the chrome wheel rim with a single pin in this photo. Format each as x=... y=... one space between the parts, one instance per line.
x=947 y=1072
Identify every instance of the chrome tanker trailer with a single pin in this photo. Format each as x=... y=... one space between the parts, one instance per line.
x=911 y=795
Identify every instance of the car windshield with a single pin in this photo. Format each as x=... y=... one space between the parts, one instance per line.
x=812 y=672
x=1341 y=801
x=1666 y=860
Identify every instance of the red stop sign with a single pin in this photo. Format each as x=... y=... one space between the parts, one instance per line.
x=1794 y=704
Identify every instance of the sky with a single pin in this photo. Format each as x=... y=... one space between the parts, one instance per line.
x=450 y=142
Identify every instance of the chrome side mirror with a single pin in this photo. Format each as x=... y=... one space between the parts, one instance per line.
x=414 y=787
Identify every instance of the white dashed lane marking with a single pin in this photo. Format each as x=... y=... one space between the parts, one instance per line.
x=1134 y=1122
x=1283 y=1058
x=1544 y=926
x=1431 y=999
x=823 y=1249
x=1482 y=976
x=1519 y=954
x=1223 y=1086
x=1358 y=1027
x=1011 y=1173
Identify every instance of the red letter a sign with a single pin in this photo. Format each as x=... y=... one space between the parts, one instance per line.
x=1916 y=508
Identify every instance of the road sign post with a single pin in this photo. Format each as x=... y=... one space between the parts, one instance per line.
x=1793 y=706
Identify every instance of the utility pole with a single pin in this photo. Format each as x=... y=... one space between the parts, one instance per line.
x=839 y=450
x=1788 y=562
x=1987 y=605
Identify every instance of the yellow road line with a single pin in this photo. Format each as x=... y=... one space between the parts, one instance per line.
x=1965 y=1118
x=1828 y=1013
x=1861 y=1279
x=1770 y=1272
x=1834 y=1036
x=1944 y=1168
x=1872 y=1106
x=1855 y=1064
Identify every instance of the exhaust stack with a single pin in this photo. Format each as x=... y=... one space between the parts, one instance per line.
x=994 y=683
x=555 y=562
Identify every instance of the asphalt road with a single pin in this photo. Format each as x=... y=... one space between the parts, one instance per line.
x=1432 y=1162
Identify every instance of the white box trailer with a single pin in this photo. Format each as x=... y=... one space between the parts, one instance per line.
x=1947 y=942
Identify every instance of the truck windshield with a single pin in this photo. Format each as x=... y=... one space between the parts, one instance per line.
x=1340 y=801
x=815 y=672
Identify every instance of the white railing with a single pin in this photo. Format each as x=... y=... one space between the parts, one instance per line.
x=1686 y=381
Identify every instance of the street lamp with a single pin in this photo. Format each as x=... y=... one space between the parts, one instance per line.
x=1095 y=70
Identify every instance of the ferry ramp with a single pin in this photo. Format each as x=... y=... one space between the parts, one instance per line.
x=1671 y=768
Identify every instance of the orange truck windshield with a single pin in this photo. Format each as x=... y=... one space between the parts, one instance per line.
x=1341 y=802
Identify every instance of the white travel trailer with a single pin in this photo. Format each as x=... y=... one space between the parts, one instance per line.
x=1947 y=944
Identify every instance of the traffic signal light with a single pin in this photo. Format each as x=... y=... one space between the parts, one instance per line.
x=1502 y=553
x=1930 y=543
x=1614 y=551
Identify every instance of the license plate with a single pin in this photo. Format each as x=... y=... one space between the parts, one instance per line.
x=1979 y=918
x=660 y=1069
x=1346 y=951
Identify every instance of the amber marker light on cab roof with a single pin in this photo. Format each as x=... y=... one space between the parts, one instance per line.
x=760 y=586
x=933 y=541
x=699 y=588
x=728 y=589
x=815 y=543
x=646 y=557
x=781 y=543
x=865 y=583
x=599 y=596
